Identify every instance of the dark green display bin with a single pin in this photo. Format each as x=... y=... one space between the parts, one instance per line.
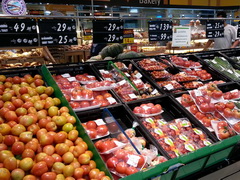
x=82 y=133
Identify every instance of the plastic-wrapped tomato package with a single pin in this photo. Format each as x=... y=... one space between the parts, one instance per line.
x=183 y=124
x=222 y=129
x=186 y=147
x=138 y=83
x=152 y=65
x=158 y=160
x=184 y=62
x=170 y=85
x=192 y=85
x=170 y=129
x=85 y=78
x=80 y=94
x=152 y=122
x=124 y=163
x=108 y=145
x=234 y=94
x=100 y=85
x=96 y=129
x=148 y=110
x=169 y=146
x=106 y=74
x=161 y=75
x=199 y=138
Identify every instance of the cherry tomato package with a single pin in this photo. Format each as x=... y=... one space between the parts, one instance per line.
x=152 y=122
x=152 y=65
x=96 y=129
x=170 y=85
x=192 y=85
x=183 y=77
x=183 y=124
x=199 y=138
x=160 y=75
x=169 y=146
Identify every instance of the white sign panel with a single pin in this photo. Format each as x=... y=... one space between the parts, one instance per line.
x=181 y=36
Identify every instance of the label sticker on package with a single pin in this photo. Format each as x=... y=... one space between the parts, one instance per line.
x=138 y=75
x=122 y=82
x=99 y=122
x=169 y=86
x=152 y=59
x=128 y=75
x=66 y=75
x=111 y=100
x=72 y=79
x=133 y=96
x=154 y=92
x=198 y=93
x=133 y=160
x=149 y=120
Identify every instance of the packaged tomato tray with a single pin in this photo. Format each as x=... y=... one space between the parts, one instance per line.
x=183 y=77
x=161 y=75
x=184 y=62
x=203 y=75
x=148 y=110
x=101 y=85
x=130 y=83
x=152 y=65
x=124 y=162
x=108 y=145
x=222 y=129
x=233 y=94
x=96 y=129
x=192 y=85
x=152 y=122
x=170 y=85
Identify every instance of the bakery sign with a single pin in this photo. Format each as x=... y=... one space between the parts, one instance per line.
x=133 y=3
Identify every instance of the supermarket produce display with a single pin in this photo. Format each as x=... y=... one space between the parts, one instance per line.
x=169 y=115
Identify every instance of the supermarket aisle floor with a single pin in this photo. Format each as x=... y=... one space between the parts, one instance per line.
x=231 y=172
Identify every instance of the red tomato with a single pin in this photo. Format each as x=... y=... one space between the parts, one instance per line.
x=216 y=94
x=230 y=105
x=220 y=106
x=236 y=113
x=227 y=112
x=102 y=130
x=138 y=110
x=193 y=109
x=92 y=133
x=91 y=125
x=154 y=110
x=204 y=107
x=236 y=127
x=84 y=104
x=121 y=167
x=223 y=134
x=39 y=168
x=199 y=115
x=222 y=125
x=141 y=161
x=112 y=162
x=49 y=176
x=131 y=170
x=120 y=153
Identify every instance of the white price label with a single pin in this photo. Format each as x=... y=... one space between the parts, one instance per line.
x=138 y=81
x=214 y=62
x=198 y=93
x=89 y=76
x=118 y=143
x=128 y=75
x=154 y=92
x=111 y=100
x=234 y=91
x=229 y=71
x=72 y=79
x=138 y=75
x=169 y=87
x=133 y=160
x=102 y=71
x=108 y=79
x=122 y=82
x=99 y=122
x=152 y=59
x=133 y=96
x=66 y=75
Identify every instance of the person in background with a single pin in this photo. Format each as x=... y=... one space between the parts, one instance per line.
x=230 y=36
x=96 y=48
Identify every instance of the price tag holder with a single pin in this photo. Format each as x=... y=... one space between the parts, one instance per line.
x=160 y=30
x=9 y=40
x=215 y=29
x=57 y=26
x=18 y=26
x=107 y=31
x=58 y=39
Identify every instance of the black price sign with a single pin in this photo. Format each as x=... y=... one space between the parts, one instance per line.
x=57 y=26
x=58 y=39
x=108 y=31
x=160 y=30
x=238 y=32
x=18 y=26
x=107 y=38
x=215 y=29
x=8 y=40
x=57 y=32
